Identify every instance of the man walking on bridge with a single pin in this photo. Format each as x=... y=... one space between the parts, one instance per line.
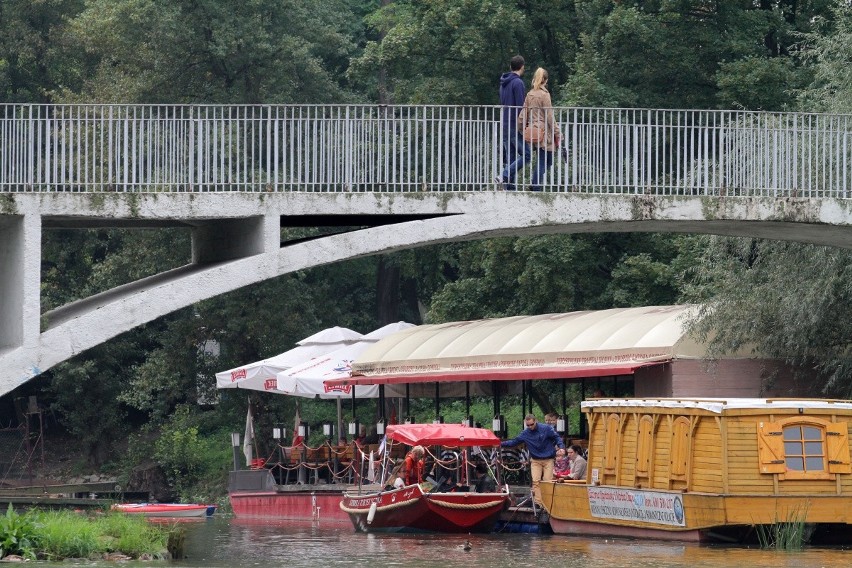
x=516 y=152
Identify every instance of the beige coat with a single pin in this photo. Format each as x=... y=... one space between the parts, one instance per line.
x=538 y=111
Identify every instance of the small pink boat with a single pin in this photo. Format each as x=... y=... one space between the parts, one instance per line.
x=166 y=509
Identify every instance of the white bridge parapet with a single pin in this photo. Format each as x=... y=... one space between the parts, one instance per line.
x=386 y=148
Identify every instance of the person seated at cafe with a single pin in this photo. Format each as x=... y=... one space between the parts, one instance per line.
x=578 y=462
x=562 y=465
x=372 y=437
x=343 y=441
x=483 y=481
x=412 y=469
x=552 y=419
x=361 y=438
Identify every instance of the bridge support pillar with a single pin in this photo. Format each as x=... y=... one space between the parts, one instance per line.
x=20 y=280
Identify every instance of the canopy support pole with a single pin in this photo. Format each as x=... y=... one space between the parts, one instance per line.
x=340 y=429
x=496 y=398
x=467 y=402
x=407 y=401
x=437 y=400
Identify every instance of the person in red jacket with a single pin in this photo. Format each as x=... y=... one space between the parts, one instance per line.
x=413 y=467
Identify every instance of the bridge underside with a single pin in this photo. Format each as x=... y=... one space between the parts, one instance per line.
x=236 y=241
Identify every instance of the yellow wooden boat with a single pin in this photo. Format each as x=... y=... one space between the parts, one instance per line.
x=709 y=469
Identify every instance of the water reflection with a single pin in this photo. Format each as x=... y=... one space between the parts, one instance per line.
x=236 y=542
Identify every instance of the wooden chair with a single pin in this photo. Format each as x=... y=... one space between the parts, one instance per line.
x=344 y=457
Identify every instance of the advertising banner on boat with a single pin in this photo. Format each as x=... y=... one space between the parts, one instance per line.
x=636 y=505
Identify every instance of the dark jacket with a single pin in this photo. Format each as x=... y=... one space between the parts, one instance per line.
x=485 y=484
x=512 y=94
x=541 y=442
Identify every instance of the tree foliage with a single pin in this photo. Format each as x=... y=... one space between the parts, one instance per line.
x=783 y=300
x=256 y=51
x=687 y=54
x=33 y=58
x=560 y=273
x=827 y=52
x=442 y=52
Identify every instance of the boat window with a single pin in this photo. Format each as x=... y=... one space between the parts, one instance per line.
x=804 y=448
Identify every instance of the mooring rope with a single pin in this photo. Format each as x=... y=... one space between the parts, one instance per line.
x=485 y=505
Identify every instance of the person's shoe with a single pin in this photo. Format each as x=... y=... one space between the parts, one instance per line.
x=499 y=180
x=509 y=186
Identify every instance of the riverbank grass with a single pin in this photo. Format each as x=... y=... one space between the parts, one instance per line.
x=57 y=535
x=790 y=534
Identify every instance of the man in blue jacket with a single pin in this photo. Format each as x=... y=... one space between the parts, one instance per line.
x=516 y=152
x=541 y=441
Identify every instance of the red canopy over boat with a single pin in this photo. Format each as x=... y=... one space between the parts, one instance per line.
x=441 y=435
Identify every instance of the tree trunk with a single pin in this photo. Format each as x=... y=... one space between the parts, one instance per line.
x=387 y=291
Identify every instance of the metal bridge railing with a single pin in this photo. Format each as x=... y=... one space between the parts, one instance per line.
x=368 y=148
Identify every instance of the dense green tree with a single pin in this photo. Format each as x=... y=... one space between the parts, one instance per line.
x=559 y=273
x=86 y=393
x=257 y=51
x=453 y=51
x=79 y=263
x=33 y=62
x=827 y=51
x=787 y=300
x=416 y=45
x=82 y=394
x=757 y=83
x=688 y=53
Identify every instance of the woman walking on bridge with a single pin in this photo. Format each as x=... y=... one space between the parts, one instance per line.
x=539 y=127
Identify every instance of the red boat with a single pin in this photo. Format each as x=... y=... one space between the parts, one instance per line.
x=310 y=503
x=426 y=507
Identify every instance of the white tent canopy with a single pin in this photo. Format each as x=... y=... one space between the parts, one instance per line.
x=571 y=345
x=260 y=375
x=307 y=379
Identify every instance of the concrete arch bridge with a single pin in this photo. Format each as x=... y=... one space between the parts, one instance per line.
x=406 y=176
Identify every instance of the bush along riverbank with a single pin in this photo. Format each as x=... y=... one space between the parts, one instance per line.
x=60 y=535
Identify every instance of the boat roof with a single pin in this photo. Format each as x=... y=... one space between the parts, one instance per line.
x=441 y=435
x=718 y=405
x=549 y=346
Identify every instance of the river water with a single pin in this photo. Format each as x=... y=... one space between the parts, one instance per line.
x=223 y=541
